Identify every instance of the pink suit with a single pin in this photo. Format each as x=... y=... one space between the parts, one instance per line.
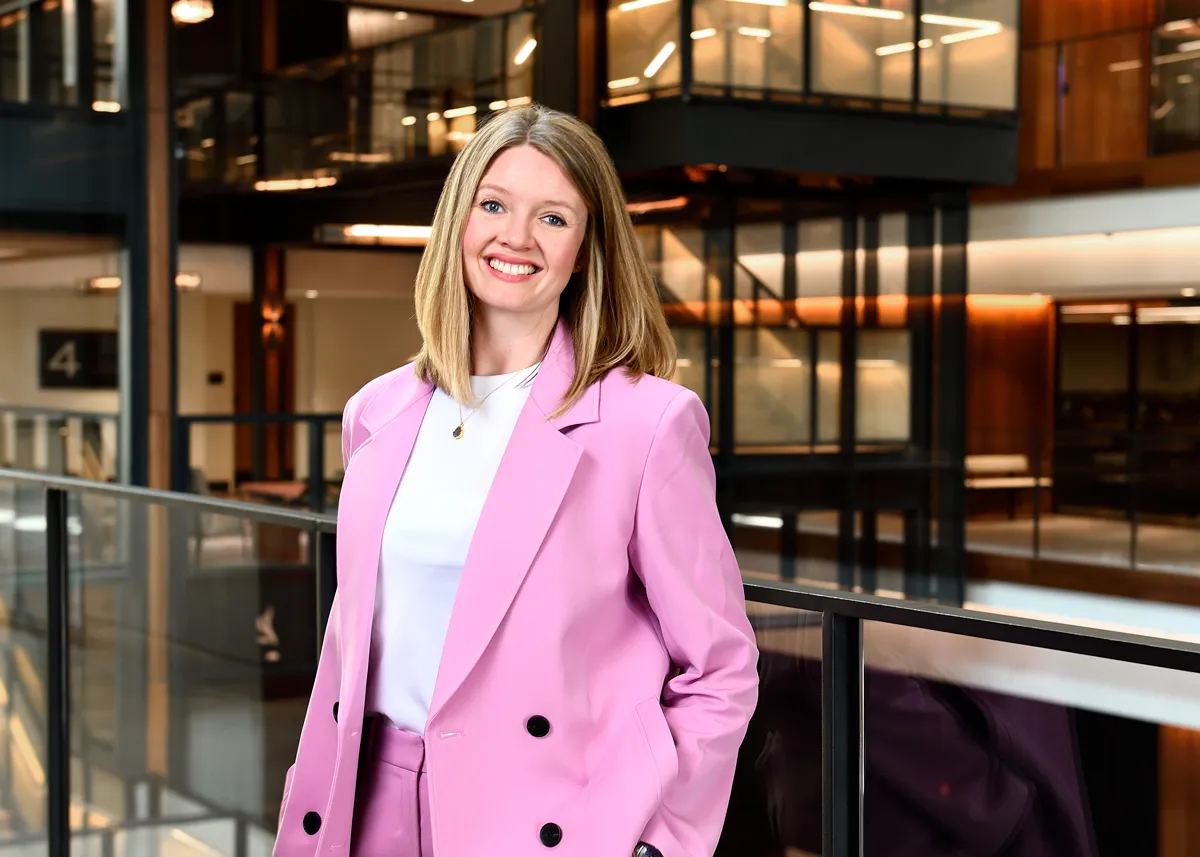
x=599 y=569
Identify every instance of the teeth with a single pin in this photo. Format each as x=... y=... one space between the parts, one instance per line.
x=511 y=270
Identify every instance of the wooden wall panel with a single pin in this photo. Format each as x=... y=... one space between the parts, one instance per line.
x=1039 y=108
x=1010 y=364
x=1106 y=101
x=1044 y=21
x=1179 y=792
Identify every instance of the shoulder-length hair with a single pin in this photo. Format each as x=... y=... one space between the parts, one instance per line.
x=611 y=305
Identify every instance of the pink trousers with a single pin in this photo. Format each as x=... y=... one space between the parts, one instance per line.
x=391 y=807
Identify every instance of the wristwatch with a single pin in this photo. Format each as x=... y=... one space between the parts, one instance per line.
x=644 y=850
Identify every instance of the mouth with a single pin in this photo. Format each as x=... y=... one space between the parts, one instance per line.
x=511 y=270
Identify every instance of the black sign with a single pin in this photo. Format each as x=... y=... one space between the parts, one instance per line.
x=77 y=359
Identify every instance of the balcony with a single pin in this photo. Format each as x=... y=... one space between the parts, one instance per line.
x=815 y=86
x=414 y=101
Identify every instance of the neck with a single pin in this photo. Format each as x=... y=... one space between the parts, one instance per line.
x=504 y=344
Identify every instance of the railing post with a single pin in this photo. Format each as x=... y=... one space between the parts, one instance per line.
x=316 y=465
x=58 y=701
x=841 y=735
x=326 y=575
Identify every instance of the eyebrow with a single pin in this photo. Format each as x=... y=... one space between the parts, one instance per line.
x=495 y=188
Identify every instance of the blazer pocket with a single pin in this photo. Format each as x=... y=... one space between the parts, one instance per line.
x=659 y=741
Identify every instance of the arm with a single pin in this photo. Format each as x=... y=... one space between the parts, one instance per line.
x=693 y=584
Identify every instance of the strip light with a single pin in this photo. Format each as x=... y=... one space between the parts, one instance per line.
x=662 y=56
x=624 y=82
x=777 y=3
x=631 y=5
x=706 y=33
x=295 y=184
x=457 y=112
x=903 y=47
x=861 y=11
x=754 y=32
x=524 y=53
x=976 y=28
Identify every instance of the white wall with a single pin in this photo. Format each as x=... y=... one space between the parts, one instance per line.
x=206 y=347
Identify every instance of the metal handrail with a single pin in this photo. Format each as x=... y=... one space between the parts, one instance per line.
x=190 y=502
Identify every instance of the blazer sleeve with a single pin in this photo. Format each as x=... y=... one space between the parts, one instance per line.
x=694 y=586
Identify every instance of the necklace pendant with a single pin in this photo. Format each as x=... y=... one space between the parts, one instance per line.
x=459 y=432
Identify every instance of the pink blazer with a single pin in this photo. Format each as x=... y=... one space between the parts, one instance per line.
x=600 y=594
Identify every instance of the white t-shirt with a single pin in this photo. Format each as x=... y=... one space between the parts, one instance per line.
x=425 y=542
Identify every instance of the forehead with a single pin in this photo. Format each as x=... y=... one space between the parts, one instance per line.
x=524 y=171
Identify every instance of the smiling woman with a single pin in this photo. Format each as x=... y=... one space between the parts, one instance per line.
x=539 y=639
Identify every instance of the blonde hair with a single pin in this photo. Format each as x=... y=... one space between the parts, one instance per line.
x=611 y=306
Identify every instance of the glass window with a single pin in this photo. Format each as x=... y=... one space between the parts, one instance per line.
x=773 y=378
x=863 y=50
x=969 y=53
x=753 y=46
x=643 y=51
x=1175 y=106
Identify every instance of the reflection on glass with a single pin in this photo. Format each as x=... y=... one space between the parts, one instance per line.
x=643 y=50
x=863 y=50
x=751 y=46
x=1175 y=105
x=961 y=759
x=692 y=369
x=775 y=807
x=773 y=377
x=969 y=53
x=882 y=393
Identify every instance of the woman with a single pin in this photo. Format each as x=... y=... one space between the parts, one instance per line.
x=539 y=642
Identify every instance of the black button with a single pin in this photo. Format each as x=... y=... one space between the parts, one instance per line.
x=335 y=705
x=312 y=823
x=538 y=726
x=551 y=835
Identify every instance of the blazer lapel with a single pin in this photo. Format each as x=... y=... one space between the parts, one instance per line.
x=393 y=419
x=534 y=476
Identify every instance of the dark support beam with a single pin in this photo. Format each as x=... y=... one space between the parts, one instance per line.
x=952 y=405
x=556 y=63
x=920 y=240
x=847 y=412
x=719 y=251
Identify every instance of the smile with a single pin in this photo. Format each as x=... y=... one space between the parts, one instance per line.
x=512 y=270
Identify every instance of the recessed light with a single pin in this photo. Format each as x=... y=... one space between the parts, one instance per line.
x=1188 y=292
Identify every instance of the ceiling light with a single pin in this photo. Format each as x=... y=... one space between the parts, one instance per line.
x=779 y=3
x=409 y=120
x=754 y=32
x=623 y=82
x=106 y=106
x=191 y=11
x=1188 y=292
x=706 y=33
x=1184 y=24
x=433 y=117
x=356 y=157
x=631 y=5
x=310 y=294
x=387 y=234
x=861 y=11
x=295 y=184
x=662 y=56
x=526 y=50
x=903 y=47
x=187 y=282
x=1126 y=65
x=971 y=34
x=951 y=21
x=401 y=16
x=1189 y=46
x=673 y=204
x=456 y=112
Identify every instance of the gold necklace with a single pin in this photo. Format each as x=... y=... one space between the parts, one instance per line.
x=460 y=430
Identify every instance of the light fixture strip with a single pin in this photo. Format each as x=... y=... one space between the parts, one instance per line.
x=661 y=57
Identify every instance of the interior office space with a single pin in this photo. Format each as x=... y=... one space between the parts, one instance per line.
x=946 y=352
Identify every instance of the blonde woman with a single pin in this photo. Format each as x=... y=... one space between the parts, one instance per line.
x=539 y=643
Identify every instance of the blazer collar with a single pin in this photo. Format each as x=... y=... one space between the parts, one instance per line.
x=551 y=384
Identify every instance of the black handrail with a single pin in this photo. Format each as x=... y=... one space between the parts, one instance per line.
x=842 y=615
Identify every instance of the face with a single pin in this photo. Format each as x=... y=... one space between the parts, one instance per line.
x=523 y=236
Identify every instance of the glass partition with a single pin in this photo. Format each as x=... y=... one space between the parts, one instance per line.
x=965 y=52
x=1175 y=93
x=417 y=97
x=44 y=59
x=193 y=642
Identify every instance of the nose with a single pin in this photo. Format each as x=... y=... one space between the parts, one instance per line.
x=516 y=233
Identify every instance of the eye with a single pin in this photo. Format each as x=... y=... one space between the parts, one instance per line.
x=491 y=206
x=554 y=220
